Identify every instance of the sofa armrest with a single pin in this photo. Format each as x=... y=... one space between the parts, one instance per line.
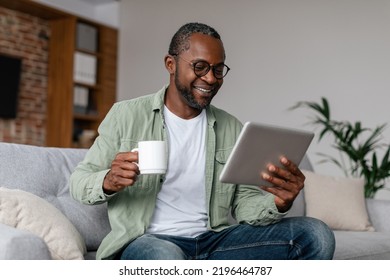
x=379 y=210
x=16 y=244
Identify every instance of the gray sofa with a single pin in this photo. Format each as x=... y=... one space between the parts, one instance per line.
x=45 y=173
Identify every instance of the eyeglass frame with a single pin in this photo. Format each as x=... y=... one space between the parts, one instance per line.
x=210 y=66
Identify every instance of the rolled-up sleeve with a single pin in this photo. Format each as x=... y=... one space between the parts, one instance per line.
x=252 y=206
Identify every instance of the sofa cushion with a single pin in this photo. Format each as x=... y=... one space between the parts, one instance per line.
x=337 y=201
x=45 y=172
x=26 y=211
x=362 y=245
x=379 y=210
x=19 y=244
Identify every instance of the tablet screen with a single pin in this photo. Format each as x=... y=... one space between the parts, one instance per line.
x=257 y=146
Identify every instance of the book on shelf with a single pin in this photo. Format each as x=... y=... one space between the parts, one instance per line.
x=80 y=100
x=85 y=68
x=87 y=37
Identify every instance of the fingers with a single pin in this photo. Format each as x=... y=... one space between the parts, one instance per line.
x=127 y=157
x=287 y=182
x=292 y=167
x=123 y=173
x=283 y=177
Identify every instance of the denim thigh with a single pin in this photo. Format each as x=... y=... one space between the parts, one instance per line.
x=291 y=238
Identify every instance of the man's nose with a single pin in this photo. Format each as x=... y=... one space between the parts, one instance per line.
x=210 y=77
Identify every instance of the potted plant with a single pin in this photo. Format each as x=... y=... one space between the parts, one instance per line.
x=358 y=146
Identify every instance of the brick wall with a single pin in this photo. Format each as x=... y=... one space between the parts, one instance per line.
x=26 y=36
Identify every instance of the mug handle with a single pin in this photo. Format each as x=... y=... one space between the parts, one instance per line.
x=135 y=150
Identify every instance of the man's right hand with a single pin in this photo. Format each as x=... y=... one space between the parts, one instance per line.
x=123 y=173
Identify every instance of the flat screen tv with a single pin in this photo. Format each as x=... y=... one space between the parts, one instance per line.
x=10 y=71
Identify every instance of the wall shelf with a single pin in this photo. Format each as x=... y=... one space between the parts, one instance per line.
x=86 y=117
x=64 y=122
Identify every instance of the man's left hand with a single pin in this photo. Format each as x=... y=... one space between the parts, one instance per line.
x=286 y=183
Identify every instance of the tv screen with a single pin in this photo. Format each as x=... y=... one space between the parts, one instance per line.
x=10 y=71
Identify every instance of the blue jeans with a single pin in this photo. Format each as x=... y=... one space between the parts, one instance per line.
x=289 y=239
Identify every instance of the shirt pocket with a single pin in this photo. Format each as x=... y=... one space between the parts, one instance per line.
x=223 y=197
x=221 y=157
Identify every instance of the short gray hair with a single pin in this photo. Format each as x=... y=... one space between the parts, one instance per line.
x=180 y=41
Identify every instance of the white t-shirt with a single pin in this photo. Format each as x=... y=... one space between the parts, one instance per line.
x=181 y=203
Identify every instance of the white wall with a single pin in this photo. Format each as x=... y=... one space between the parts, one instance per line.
x=107 y=14
x=280 y=52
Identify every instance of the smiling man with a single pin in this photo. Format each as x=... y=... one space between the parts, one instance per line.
x=184 y=213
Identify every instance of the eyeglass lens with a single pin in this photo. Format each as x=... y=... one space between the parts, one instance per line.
x=201 y=68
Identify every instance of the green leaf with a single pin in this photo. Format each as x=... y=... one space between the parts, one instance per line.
x=325 y=108
x=355 y=142
x=385 y=164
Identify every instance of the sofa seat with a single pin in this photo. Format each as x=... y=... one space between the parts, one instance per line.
x=361 y=245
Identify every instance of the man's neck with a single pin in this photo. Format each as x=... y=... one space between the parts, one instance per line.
x=177 y=105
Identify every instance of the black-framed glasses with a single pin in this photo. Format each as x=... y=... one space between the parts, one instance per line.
x=201 y=68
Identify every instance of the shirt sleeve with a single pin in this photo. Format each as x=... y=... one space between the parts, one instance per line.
x=252 y=206
x=86 y=182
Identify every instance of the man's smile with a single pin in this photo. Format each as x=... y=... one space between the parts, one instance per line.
x=204 y=91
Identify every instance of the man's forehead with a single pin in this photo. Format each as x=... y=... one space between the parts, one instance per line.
x=202 y=44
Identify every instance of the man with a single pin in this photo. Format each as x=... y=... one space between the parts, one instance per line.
x=184 y=213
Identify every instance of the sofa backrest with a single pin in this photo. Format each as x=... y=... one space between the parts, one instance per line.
x=45 y=172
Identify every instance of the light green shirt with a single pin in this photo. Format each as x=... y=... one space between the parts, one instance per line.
x=130 y=211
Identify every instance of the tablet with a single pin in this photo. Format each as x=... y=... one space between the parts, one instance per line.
x=257 y=146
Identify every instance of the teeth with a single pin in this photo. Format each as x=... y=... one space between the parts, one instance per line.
x=203 y=90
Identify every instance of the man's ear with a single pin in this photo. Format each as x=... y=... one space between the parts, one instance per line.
x=170 y=64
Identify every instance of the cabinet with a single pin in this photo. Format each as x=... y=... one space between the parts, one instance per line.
x=66 y=122
x=63 y=122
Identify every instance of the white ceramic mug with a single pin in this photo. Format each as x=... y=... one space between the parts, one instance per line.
x=152 y=157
